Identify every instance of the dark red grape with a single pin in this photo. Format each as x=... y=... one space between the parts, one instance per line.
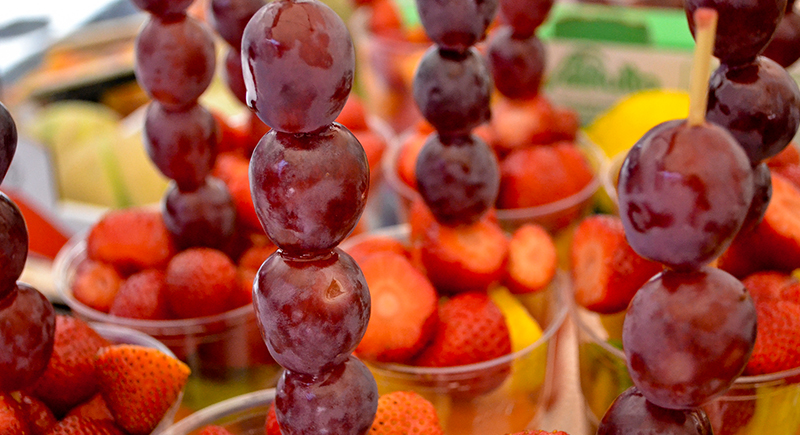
x=175 y=60
x=312 y=313
x=182 y=143
x=458 y=177
x=298 y=63
x=13 y=244
x=232 y=74
x=229 y=18
x=759 y=103
x=744 y=27
x=452 y=90
x=309 y=190
x=688 y=335
x=202 y=217
x=456 y=24
x=524 y=16
x=631 y=413
x=784 y=47
x=163 y=8
x=683 y=193
x=762 y=193
x=341 y=401
x=27 y=329
x=8 y=140
x=517 y=64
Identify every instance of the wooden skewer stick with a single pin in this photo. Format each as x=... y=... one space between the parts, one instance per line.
x=705 y=20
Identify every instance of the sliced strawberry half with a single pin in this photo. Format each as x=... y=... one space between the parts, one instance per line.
x=532 y=260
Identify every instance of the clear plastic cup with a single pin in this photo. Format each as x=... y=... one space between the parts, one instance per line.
x=241 y=415
x=225 y=352
x=755 y=405
x=554 y=216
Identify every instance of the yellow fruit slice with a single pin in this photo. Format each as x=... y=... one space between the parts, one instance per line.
x=618 y=129
x=776 y=410
x=528 y=371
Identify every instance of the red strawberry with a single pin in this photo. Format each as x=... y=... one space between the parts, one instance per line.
x=789 y=156
x=131 y=239
x=606 y=272
x=230 y=137
x=405 y=412
x=464 y=258
x=39 y=417
x=82 y=426
x=522 y=123
x=255 y=256
x=374 y=146
x=96 y=285
x=214 y=430
x=778 y=235
x=139 y=385
x=142 y=296
x=532 y=260
x=777 y=337
x=271 y=427
x=200 y=282
x=233 y=171
x=790 y=172
x=767 y=285
x=471 y=329
x=12 y=418
x=404 y=306
x=407 y=157
x=373 y=244
x=93 y=409
x=69 y=378
x=353 y=116
x=742 y=258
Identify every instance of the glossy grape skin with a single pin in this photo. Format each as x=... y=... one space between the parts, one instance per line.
x=524 y=16
x=13 y=244
x=27 y=330
x=784 y=47
x=744 y=27
x=517 y=64
x=688 y=335
x=458 y=177
x=759 y=103
x=452 y=90
x=456 y=24
x=309 y=190
x=230 y=17
x=324 y=301
x=684 y=193
x=631 y=413
x=181 y=143
x=8 y=140
x=232 y=74
x=298 y=62
x=202 y=217
x=342 y=401
x=175 y=60
x=762 y=194
x=163 y=8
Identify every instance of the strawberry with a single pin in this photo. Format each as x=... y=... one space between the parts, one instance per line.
x=271 y=427
x=244 y=293
x=405 y=412
x=777 y=337
x=471 y=329
x=142 y=296
x=540 y=432
x=93 y=409
x=521 y=123
x=403 y=309
x=353 y=116
x=464 y=258
x=69 y=378
x=790 y=172
x=741 y=258
x=12 y=417
x=39 y=417
x=373 y=244
x=407 y=157
x=139 y=385
x=769 y=284
x=255 y=256
x=233 y=170
x=96 y=284
x=214 y=430
x=532 y=260
x=606 y=272
x=374 y=146
x=777 y=237
x=131 y=239
x=74 y=425
x=230 y=137
x=789 y=156
x=200 y=282
x=729 y=417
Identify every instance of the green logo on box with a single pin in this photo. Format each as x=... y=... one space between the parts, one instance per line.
x=587 y=69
